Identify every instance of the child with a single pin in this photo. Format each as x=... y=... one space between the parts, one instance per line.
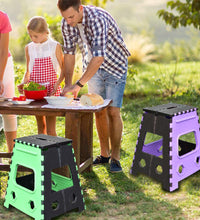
x=44 y=56
x=7 y=86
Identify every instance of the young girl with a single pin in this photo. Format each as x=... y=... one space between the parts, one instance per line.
x=44 y=57
x=7 y=86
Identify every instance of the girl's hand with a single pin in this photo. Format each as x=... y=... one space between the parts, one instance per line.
x=55 y=87
x=20 y=88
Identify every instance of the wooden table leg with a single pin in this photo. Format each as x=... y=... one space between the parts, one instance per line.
x=86 y=142
x=6 y=167
x=72 y=131
x=79 y=128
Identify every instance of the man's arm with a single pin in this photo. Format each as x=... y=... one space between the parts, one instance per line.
x=68 y=68
x=92 y=68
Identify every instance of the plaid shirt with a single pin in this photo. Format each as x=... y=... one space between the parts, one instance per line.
x=102 y=35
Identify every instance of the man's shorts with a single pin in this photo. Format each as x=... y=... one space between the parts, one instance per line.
x=108 y=86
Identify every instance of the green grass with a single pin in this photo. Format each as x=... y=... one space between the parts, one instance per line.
x=123 y=196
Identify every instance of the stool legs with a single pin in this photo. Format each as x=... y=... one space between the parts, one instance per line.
x=162 y=159
x=184 y=156
x=44 y=194
x=146 y=159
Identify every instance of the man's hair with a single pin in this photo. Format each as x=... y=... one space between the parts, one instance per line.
x=65 y=4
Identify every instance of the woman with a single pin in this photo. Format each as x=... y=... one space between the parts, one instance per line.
x=7 y=86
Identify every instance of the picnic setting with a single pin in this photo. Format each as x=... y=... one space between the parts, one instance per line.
x=99 y=110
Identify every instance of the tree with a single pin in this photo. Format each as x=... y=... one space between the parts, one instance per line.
x=182 y=13
x=100 y=3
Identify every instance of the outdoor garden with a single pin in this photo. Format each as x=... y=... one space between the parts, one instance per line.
x=168 y=73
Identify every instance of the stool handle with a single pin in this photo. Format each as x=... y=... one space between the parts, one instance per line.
x=27 y=151
x=185 y=119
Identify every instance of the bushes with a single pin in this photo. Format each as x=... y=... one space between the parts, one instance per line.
x=143 y=50
x=181 y=51
x=166 y=81
x=174 y=79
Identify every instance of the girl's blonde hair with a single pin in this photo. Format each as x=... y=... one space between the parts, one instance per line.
x=38 y=24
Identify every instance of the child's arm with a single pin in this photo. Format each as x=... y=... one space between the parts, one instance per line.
x=27 y=74
x=60 y=58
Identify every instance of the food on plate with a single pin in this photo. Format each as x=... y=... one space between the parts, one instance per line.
x=58 y=100
x=68 y=95
x=91 y=99
x=33 y=86
x=20 y=98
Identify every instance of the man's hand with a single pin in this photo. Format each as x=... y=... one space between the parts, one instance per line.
x=74 y=89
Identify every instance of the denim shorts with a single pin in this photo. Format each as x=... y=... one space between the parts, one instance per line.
x=108 y=86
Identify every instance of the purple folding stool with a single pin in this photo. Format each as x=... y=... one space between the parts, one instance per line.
x=168 y=159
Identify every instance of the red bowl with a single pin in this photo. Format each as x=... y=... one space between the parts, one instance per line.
x=35 y=94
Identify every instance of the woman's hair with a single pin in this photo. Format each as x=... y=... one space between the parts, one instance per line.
x=65 y=4
x=38 y=24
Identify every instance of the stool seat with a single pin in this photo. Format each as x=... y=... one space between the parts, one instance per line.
x=170 y=109
x=42 y=193
x=169 y=159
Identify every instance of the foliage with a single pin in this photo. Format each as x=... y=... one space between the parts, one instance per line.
x=141 y=49
x=180 y=50
x=167 y=81
x=54 y=26
x=164 y=79
x=19 y=72
x=100 y=3
x=182 y=13
x=166 y=52
x=132 y=72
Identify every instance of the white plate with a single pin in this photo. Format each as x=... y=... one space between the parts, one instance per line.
x=28 y=101
x=58 y=100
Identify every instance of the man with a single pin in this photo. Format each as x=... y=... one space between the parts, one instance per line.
x=104 y=68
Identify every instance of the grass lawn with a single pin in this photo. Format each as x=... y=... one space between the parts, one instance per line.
x=123 y=196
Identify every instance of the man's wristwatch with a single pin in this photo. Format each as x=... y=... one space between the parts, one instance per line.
x=79 y=84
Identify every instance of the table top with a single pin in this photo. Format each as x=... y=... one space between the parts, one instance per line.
x=41 y=107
